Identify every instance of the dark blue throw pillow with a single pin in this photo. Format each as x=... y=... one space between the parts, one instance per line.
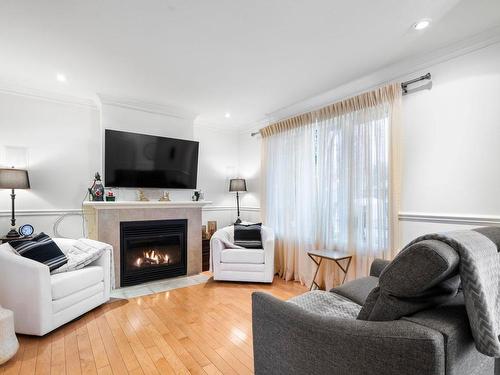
x=248 y=235
x=40 y=249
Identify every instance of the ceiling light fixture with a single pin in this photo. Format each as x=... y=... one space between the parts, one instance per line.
x=61 y=77
x=422 y=24
x=227 y=115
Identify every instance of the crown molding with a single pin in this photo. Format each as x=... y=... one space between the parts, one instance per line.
x=145 y=106
x=54 y=97
x=390 y=73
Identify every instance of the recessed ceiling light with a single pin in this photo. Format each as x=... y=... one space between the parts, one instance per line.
x=227 y=115
x=422 y=24
x=61 y=77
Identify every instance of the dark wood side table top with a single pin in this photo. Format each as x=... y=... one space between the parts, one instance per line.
x=8 y=239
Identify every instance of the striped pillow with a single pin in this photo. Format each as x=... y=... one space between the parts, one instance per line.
x=248 y=235
x=40 y=249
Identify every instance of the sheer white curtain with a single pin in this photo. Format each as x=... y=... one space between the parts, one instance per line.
x=328 y=183
x=289 y=196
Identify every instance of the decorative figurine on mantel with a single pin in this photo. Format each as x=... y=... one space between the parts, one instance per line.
x=96 y=191
x=165 y=197
x=197 y=196
x=142 y=196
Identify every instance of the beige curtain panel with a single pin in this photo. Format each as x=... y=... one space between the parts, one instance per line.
x=386 y=94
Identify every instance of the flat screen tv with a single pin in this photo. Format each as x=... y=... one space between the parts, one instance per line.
x=145 y=161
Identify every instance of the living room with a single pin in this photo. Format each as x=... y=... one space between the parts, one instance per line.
x=233 y=187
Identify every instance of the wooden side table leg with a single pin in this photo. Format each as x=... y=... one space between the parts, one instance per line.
x=315 y=273
x=346 y=269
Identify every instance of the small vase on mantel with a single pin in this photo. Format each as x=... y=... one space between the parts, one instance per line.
x=8 y=340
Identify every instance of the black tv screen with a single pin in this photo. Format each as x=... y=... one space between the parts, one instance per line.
x=146 y=161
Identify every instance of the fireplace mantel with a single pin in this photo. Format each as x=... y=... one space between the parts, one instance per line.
x=145 y=204
x=103 y=224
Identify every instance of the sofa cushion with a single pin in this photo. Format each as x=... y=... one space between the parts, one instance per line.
x=421 y=276
x=248 y=235
x=252 y=256
x=66 y=283
x=41 y=249
x=452 y=321
x=357 y=290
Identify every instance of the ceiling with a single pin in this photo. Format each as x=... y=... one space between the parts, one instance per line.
x=248 y=58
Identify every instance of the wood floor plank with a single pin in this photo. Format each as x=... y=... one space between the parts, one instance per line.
x=87 y=361
x=44 y=356
x=58 y=356
x=72 y=355
x=116 y=360
x=100 y=356
x=204 y=329
x=28 y=365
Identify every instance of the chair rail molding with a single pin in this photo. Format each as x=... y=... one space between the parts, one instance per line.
x=463 y=219
x=79 y=211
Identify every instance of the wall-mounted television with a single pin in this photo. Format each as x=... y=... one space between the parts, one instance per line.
x=144 y=161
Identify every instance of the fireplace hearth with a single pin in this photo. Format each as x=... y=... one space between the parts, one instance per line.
x=152 y=250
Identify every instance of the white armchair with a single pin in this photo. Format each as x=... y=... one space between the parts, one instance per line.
x=41 y=302
x=230 y=264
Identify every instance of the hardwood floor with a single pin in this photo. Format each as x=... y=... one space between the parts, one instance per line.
x=201 y=329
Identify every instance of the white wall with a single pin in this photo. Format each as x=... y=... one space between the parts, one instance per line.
x=450 y=143
x=249 y=168
x=63 y=142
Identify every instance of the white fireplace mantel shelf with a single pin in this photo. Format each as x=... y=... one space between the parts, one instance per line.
x=145 y=204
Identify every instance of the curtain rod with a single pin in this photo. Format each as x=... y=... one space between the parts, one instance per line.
x=404 y=87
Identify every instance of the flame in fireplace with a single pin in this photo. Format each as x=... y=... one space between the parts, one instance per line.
x=152 y=257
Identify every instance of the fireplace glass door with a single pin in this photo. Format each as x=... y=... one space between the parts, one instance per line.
x=152 y=250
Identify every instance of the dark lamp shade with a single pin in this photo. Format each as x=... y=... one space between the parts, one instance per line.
x=237 y=184
x=11 y=178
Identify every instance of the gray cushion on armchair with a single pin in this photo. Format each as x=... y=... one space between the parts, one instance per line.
x=421 y=276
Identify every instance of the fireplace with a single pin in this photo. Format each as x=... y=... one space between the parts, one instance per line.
x=152 y=250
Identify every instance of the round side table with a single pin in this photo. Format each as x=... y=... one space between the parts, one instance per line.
x=8 y=339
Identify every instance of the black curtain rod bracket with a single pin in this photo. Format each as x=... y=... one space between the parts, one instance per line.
x=404 y=85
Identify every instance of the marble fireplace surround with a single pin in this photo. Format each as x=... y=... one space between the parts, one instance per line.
x=103 y=224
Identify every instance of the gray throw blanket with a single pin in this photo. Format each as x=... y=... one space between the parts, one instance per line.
x=480 y=275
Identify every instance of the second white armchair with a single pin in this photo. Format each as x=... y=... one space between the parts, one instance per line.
x=235 y=264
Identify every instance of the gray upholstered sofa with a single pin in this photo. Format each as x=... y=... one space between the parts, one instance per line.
x=289 y=339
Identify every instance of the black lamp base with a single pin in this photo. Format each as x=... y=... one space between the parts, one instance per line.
x=238 y=221
x=13 y=233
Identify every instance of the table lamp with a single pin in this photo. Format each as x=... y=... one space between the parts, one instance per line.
x=237 y=185
x=11 y=178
